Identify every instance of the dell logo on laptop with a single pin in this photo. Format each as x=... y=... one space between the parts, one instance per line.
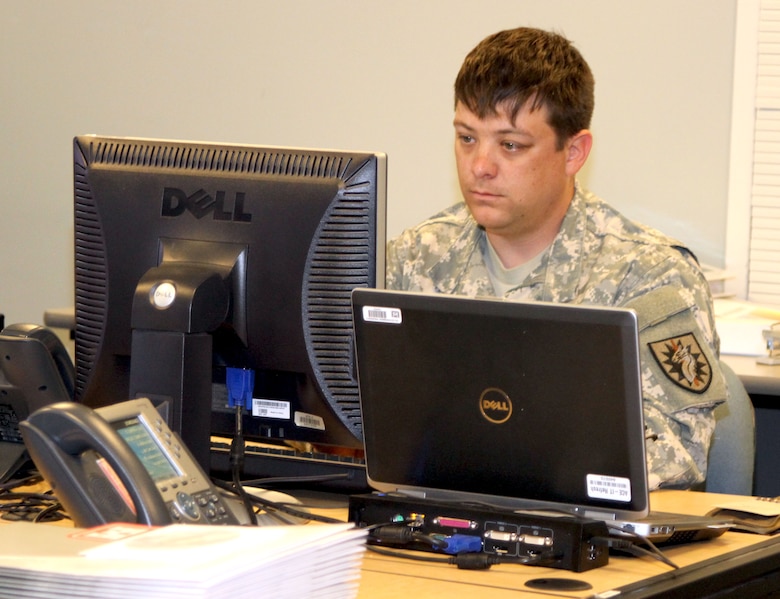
x=495 y=405
x=175 y=202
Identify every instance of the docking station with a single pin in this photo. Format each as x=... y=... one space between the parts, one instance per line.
x=566 y=541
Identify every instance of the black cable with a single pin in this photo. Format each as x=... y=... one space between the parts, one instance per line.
x=53 y=513
x=285 y=480
x=237 y=450
x=640 y=551
x=468 y=561
x=633 y=544
x=404 y=535
x=293 y=511
x=280 y=517
x=30 y=507
x=654 y=550
x=20 y=482
x=41 y=497
x=281 y=507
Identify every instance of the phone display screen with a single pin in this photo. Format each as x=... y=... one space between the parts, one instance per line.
x=144 y=445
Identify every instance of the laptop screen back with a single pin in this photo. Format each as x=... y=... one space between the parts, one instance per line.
x=508 y=403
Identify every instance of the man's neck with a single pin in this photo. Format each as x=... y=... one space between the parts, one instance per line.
x=517 y=247
x=514 y=252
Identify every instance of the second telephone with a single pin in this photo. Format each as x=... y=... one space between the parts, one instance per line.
x=121 y=463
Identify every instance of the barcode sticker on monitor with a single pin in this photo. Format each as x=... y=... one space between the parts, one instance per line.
x=305 y=420
x=379 y=314
x=267 y=408
x=611 y=488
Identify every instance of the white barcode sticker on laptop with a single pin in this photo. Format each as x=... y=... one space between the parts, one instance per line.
x=612 y=488
x=378 y=314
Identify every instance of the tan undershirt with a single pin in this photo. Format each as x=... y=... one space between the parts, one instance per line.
x=505 y=279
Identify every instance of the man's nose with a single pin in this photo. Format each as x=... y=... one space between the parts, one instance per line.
x=484 y=163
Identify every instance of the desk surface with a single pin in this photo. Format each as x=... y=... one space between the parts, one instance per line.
x=704 y=566
x=386 y=577
x=758 y=378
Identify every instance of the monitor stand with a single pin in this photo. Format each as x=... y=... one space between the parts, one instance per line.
x=175 y=308
x=174 y=371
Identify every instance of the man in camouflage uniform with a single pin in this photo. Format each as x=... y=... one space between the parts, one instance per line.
x=526 y=230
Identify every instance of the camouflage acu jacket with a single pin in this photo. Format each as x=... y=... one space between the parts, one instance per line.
x=601 y=257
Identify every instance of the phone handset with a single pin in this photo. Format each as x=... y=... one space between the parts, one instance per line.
x=66 y=441
x=41 y=350
x=35 y=371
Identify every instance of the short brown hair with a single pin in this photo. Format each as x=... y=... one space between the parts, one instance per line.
x=509 y=68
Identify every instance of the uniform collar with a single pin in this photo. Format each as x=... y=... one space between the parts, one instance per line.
x=562 y=267
x=461 y=269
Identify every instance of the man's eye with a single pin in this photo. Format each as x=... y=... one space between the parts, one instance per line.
x=512 y=146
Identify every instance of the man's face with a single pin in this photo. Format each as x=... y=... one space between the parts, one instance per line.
x=515 y=181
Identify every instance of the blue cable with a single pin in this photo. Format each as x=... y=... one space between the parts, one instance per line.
x=240 y=386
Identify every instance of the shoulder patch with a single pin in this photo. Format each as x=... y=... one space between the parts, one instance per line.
x=683 y=362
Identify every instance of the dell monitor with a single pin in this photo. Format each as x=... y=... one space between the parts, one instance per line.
x=192 y=258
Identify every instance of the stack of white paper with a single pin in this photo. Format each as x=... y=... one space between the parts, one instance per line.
x=129 y=561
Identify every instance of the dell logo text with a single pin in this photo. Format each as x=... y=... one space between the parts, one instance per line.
x=175 y=202
x=495 y=405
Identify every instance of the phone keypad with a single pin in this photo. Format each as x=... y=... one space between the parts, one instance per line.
x=205 y=507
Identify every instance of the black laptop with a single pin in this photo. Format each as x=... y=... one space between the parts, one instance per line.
x=517 y=405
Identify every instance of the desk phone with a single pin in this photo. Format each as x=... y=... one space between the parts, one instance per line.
x=121 y=463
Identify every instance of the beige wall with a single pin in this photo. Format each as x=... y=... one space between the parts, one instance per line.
x=346 y=74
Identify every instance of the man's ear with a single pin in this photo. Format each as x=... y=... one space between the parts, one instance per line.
x=577 y=151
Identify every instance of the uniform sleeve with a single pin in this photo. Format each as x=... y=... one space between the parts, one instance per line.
x=393 y=265
x=681 y=385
